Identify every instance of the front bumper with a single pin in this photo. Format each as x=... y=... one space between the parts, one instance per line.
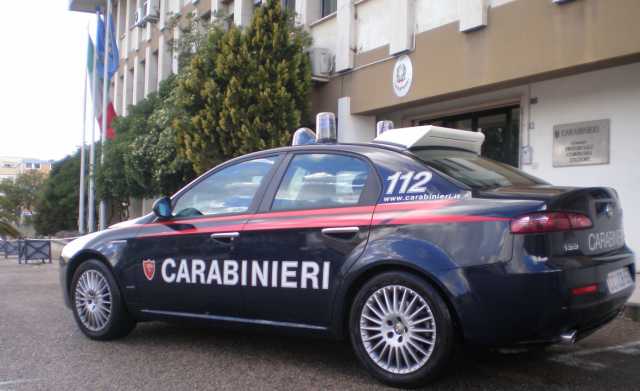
x=507 y=307
x=64 y=285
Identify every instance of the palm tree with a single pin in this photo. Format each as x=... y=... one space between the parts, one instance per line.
x=7 y=229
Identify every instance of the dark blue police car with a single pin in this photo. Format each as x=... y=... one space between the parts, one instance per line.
x=406 y=246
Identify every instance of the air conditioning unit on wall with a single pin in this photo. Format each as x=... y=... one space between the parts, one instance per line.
x=322 y=61
x=151 y=11
x=138 y=18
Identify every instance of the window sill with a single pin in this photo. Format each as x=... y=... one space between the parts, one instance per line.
x=323 y=19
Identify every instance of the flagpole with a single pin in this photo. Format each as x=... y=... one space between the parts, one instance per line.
x=92 y=150
x=105 y=97
x=81 y=199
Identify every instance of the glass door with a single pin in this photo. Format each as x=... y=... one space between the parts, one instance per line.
x=501 y=128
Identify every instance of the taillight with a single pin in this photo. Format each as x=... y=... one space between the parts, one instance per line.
x=579 y=221
x=549 y=222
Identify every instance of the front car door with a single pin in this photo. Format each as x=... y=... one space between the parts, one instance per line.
x=187 y=265
x=312 y=223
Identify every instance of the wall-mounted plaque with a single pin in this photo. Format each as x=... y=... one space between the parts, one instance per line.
x=581 y=143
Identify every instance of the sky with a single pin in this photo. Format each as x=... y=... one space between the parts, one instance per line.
x=42 y=71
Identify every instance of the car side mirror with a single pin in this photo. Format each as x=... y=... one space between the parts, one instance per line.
x=162 y=208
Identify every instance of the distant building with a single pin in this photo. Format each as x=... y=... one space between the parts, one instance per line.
x=11 y=166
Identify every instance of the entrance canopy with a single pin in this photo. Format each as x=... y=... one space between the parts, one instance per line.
x=86 y=5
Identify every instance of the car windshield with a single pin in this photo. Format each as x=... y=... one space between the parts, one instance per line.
x=475 y=171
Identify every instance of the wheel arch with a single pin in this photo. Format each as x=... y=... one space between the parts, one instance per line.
x=78 y=259
x=355 y=284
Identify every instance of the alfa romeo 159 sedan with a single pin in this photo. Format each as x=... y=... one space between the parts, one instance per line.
x=405 y=246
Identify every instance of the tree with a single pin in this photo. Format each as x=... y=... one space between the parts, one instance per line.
x=20 y=195
x=244 y=90
x=152 y=161
x=57 y=206
x=113 y=179
x=142 y=160
x=7 y=229
x=262 y=109
x=193 y=35
x=199 y=95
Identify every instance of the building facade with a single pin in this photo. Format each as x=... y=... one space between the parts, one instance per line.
x=553 y=84
x=11 y=166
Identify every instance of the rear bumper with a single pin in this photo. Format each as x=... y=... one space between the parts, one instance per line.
x=508 y=306
x=584 y=320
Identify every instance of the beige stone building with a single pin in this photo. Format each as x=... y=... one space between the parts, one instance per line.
x=553 y=84
x=11 y=166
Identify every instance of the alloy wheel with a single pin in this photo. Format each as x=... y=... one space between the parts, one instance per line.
x=398 y=329
x=93 y=300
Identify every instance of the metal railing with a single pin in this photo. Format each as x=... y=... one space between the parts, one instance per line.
x=32 y=249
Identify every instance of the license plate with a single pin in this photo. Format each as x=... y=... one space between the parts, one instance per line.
x=619 y=280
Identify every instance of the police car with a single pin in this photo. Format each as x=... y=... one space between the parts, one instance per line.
x=406 y=246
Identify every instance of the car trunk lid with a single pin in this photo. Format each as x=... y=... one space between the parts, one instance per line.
x=600 y=204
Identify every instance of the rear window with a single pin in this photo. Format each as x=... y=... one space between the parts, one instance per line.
x=475 y=171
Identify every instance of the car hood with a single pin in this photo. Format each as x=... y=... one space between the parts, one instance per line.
x=129 y=223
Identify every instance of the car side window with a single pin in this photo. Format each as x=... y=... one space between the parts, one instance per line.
x=230 y=190
x=318 y=180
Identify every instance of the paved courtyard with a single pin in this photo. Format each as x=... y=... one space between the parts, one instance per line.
x=41 y=349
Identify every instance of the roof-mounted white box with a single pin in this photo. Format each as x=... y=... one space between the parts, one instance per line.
x=433 y=136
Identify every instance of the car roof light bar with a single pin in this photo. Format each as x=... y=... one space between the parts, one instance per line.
x=303 y=136
x=326 y=128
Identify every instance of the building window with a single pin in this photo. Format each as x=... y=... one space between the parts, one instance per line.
x=329 y=7
x=132 y=14
x=173 y=6
x=501 y=128
x=289 y=5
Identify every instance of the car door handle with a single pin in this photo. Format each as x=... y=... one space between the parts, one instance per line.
x=341 y=232
x=225 y=237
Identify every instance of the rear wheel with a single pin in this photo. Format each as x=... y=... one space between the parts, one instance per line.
x=98 y=307
x=401 y=329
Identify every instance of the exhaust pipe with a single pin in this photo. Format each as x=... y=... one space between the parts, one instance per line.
x=568 y=338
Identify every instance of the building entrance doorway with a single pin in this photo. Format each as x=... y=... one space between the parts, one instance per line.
x=501 y=128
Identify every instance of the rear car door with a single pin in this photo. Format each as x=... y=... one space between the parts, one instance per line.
x=312 y=223
x=188 y=264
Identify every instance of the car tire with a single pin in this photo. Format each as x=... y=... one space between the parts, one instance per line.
x=98 y=306
x=409 y=361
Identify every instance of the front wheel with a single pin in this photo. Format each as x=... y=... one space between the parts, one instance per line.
x=98 y=307
x=401 y=329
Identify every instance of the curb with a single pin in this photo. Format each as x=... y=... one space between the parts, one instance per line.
x=632 y=311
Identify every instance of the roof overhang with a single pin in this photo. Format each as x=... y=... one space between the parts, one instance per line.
x=433 y=136
x=86 y=5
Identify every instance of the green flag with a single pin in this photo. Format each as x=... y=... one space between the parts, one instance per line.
x=96 y=96
x=90 y=55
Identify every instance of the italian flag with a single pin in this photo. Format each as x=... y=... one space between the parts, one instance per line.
x=97 y=95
